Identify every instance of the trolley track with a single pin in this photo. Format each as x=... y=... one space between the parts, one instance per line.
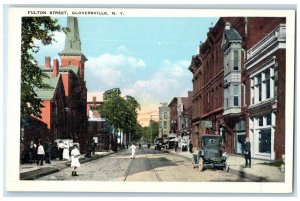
x=150 y=163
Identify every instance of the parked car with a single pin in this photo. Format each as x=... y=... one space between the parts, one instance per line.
x=170 y=144
x=157 y=145
x=211 y=154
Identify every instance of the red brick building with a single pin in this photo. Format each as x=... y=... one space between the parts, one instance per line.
x=180 y=117
x=98 y=128
x=237 y=78
x=64 y=110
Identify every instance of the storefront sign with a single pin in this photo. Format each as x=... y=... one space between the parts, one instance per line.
x=206 y=124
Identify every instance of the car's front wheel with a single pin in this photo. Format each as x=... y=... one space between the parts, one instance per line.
x=226 y=167
x=201 y=164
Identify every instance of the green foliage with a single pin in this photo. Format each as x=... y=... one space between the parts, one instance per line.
x=153 y=130
x=120 y=112
x=34 y=29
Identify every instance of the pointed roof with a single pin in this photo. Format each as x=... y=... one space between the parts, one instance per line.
x=47 y=93
x=72 y=41
x=232 y=34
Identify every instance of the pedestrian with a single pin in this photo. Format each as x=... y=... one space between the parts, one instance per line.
x=40 y=154
x=75 y=160
x=66 y=153
x=48 y=149
x=140 y=145
x=133 y=148
x=247 y=153
x=60 y=149
x=176 y=145
x=191 y=147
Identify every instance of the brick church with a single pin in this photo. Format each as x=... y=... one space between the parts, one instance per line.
x=64 y=111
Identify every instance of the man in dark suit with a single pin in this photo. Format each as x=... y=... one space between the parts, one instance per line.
x=248 y=153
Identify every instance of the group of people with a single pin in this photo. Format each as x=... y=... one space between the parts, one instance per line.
x=38 y=153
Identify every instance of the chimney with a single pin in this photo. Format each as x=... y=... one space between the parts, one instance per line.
x=94 y=100
x=227 y=26
x=55 y=68
x=47 y=63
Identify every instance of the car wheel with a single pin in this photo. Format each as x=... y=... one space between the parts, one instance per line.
x=226 y=167
x=201 y=164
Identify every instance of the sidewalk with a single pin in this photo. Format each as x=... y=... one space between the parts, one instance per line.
x=258 y=171
x=33 y=171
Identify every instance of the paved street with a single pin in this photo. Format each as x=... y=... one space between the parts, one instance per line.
x=167 y=167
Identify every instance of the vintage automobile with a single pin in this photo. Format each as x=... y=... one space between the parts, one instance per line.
x=211 y=154
x=158 y=145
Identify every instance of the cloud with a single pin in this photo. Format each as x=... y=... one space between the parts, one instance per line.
x=172 y=79
x=52 y=49
x=112 y=70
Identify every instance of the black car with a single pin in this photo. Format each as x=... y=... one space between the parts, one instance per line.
x=210 y=154
x=157 y=145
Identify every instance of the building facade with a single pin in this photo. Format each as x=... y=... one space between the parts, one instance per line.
x=237 y=78
x=64 y=110
x=164 y=121
x=98 y=128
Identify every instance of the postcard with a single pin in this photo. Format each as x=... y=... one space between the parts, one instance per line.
x=150 y=100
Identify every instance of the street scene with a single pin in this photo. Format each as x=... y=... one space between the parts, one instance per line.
x=153 y=99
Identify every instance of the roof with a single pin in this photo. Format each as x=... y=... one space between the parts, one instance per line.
x=45 y=93
x=75 y=69
x=232 y=34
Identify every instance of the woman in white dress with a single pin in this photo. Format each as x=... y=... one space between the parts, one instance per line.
x=75 y=160
x=66 y=155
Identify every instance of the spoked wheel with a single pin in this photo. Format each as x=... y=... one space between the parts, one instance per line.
x=226 y=167
x=201 y=164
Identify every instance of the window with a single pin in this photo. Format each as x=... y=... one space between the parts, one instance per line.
x=236 y=60
x=260 y=121
x=265 y=141
x=160 y=116
x=262 y=86
x=165 y=115
x=165 y=124
x=259 y=87
x=235 y=101
x=269 y=119
x=267 y=80
x=236 y=95
x=160 y=124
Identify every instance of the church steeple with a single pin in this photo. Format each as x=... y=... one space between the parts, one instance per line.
x=71 y=54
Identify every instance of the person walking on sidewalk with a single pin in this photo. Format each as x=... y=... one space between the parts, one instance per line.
x=60 y=149
x=66 y=152
x=133 y=148
x=191 y=147
x=248 y=153
x=40 y=154
x=75 y=160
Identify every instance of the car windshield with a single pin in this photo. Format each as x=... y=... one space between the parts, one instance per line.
x=211 y=141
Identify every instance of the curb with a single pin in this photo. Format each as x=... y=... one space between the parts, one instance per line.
x=31 y=175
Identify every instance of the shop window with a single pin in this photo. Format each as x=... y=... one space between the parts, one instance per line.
x=265 y=141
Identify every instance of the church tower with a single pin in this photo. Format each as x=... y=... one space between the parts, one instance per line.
x=71 y=54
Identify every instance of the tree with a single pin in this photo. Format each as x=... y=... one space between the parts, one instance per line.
x=34 y=29
x=120 y=112
x=153 y=130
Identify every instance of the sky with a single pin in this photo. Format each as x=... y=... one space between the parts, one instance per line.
x=146 y=57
